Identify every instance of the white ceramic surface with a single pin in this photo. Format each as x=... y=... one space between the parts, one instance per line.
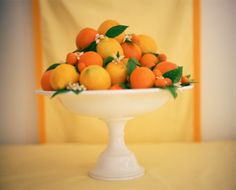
x=115 y=107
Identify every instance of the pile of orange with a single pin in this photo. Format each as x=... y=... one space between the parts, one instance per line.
x=107 y=58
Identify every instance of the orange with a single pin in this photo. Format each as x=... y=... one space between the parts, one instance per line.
x=131 y=50
x=95 y=77
x=148 y=60
x=157 y=73
x=162 y=57
x=163 y=82
x=160 y=82
x=62 y=75
x=116 y=87
x=81 y=66
x=142 y=77
x=165 y=66
x=125 y=61
x=135 y=38
x=109 y=47
x=89 y=58
x=147 y=44
x=168 y=81
x=185 y=80
x=106 y=25
x=71 y=58
x=117 y=72
x=45 y=81
x=85 y=37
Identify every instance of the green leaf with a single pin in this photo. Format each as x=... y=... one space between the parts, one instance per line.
x=153 y=67
x=78 y=50
x=77 y=91
x=64 y=90
x=156 y=54
x=135 y=61
x=131 y=65
x=125 y=85
x=115 y=31
x=189 y=83
x=118 y=54
x=174 y=75
x=91 y=47
x=61 y=91
x=173 y=90
x=185 y=84
x=53 y=66
x=107 y=61
x=76 y=68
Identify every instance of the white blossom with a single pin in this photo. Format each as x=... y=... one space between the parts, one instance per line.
x=128 y=37
x=75 y=87
x=117 y=59
x=78 y=54
x=98 y=38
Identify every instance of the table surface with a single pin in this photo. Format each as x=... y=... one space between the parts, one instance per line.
x=169 y=166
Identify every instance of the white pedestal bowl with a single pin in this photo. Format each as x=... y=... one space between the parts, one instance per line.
x=115 y=107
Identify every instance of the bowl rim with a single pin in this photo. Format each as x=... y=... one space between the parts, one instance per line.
x=112 y=92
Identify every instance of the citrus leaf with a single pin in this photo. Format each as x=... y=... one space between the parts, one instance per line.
x=115 y=31
x=53 y=66
x=77 y=50
x=136 y=61
x=125 y=85
x=186 y=84
x=76 y=68
x=61 y=91
x=153 y=67
x=156 y=54
x=77 y=91
x=64 y=90
x=118 y=54
x=91 y=47
x=107 y=60
x=173 y=90
x=189 y=83
x=174 y=75
x=131 y=65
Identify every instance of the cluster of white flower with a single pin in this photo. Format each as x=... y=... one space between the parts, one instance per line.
x=78 y=54
x=98 y=38
x=128 y=37
x=117 y=59
x=75 y=87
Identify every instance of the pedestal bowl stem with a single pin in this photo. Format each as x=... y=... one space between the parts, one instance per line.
x=117 y=162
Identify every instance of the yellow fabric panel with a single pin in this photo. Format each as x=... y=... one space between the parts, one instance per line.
x=169 y=166
x=169 y=22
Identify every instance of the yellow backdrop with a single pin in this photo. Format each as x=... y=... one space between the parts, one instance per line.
x=169 y=22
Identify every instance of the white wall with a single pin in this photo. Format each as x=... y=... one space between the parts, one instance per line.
x=18 y=117
x=218 y=69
